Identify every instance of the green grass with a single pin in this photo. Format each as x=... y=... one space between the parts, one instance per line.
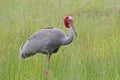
x=93 y=55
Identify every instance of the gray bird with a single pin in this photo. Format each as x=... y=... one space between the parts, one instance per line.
x=48 y=41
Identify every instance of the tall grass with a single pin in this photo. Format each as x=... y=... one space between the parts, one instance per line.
x=93 y=55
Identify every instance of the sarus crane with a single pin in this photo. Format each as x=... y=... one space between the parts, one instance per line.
x=48 y=41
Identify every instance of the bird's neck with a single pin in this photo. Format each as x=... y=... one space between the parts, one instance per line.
x=70 y=37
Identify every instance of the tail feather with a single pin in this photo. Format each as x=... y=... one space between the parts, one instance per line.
x=25 y=51
x=20 y=53
x=22 y=48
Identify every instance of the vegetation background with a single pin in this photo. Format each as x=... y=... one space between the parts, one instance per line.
x=93 y=55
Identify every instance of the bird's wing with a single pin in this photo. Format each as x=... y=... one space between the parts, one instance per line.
x=49 y=38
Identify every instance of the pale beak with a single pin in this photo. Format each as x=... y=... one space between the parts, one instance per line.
x=73 y=28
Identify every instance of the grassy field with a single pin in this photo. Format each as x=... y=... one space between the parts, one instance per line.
x=93 y=55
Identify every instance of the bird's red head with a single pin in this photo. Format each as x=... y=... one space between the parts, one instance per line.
x=67 y=19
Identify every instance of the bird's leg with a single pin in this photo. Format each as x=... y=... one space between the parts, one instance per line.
x=48 y=64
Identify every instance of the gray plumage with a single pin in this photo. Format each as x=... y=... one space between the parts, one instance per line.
x=48 y=41
x=45 y=41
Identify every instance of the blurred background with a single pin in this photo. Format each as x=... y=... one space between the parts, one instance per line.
x=93 y=55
